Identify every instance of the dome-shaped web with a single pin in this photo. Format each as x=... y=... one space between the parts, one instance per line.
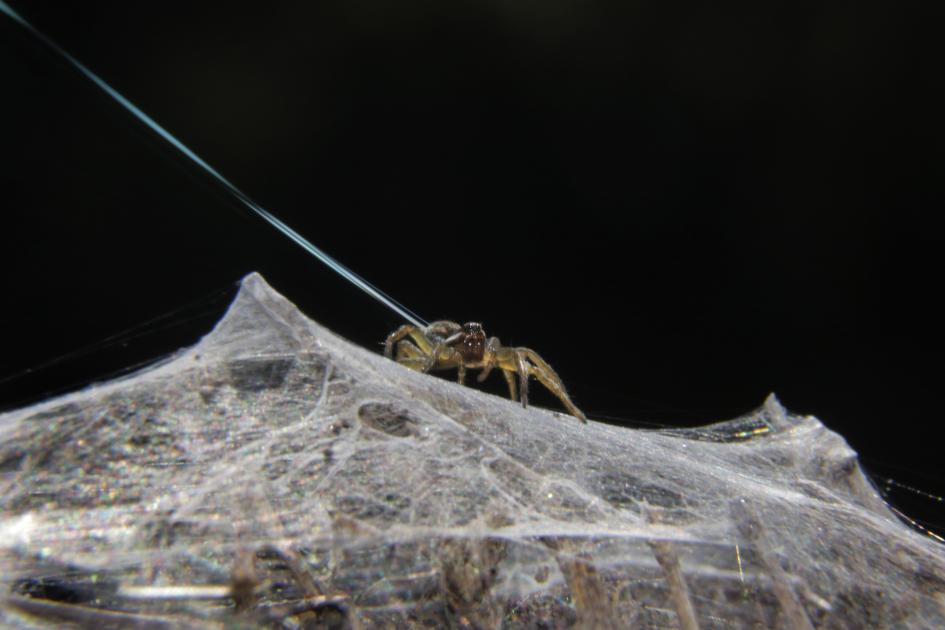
x=278 y=475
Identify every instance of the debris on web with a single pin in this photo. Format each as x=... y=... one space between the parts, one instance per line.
x=276 y=475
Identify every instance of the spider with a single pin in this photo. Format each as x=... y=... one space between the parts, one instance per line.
x=444 y=345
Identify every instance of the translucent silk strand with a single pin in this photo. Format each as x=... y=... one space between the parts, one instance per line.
x=274 y=221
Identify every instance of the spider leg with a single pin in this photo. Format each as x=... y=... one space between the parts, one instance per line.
x=523 y=373
x=396 y=336
x=454 y=356
x=550 y=379
x=489 y=359
x=513 y=394
x=444 y=329
x=435 y=353
x=410 y=355
x=436 y=341
x=407 y=330
x=441 y=357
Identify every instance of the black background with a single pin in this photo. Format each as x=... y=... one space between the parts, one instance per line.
x=683 y=208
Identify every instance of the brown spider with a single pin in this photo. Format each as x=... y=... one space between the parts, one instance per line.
x=444 y=345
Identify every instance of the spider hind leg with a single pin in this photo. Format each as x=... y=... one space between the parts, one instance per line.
x=550 y=379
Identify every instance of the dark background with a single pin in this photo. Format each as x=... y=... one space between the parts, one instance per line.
x=681 y=208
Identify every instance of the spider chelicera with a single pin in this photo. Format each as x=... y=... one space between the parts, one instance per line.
x=445 y=345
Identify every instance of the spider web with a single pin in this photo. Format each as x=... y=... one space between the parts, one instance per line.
x=336 y=482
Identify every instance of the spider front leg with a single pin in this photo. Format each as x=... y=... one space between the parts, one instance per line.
x=526 y=363
x=490 y=360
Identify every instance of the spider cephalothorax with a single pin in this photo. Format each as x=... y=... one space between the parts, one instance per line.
x=472 y=344
x=444 y=345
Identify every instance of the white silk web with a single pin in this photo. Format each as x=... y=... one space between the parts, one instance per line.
x=275 y=471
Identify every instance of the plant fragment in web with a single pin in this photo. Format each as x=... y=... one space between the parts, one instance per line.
x=276 y=475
